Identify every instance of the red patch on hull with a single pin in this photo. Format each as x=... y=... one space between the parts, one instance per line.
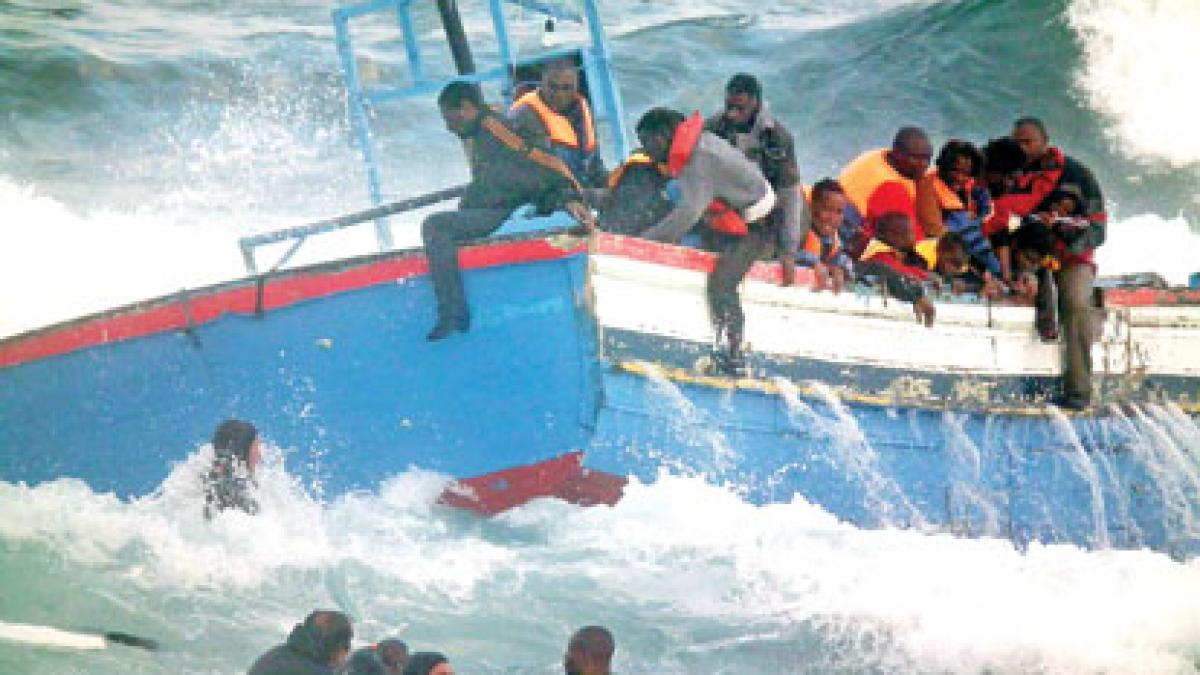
x=563 y=477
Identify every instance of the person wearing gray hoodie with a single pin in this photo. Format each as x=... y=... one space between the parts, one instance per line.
x=715 y=181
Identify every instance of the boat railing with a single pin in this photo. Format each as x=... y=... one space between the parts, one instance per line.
x=300 y=233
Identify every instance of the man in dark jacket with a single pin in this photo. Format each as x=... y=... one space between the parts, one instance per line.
x=316 y=647
x=749 y=126
x=1049 y=173
x=506 y=172
x=716 y=181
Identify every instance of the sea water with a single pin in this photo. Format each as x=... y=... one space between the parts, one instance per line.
x=139 y=140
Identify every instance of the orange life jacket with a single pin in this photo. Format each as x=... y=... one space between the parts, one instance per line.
x=558 y=127
x=874 y=188
x=812 y=244
x=721 y=217
x=638 y=158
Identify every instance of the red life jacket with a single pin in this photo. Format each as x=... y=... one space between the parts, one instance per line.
x=721 y=217
x=1030 y=190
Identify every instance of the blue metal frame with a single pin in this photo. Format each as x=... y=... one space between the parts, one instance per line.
x=606 y=99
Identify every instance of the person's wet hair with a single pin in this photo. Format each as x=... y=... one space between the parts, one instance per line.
x=422 y=663
x=594 y=641
x=744 y=83
x=659 y=122
x=1003 y=155
x=393 y=652
x=330 y=630
x=454 y=94
x=906 y=136
x=233 y=439
x=955 y=148
x=825 y=187
x=558 y=65
x=1034 y=122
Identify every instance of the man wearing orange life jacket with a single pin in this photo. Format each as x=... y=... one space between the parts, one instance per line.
x=718 y=182
x=1048 y=174
x=882 y=181
x=555 y=116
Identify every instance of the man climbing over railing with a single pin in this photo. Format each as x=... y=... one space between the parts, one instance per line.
x=506 y=172
x=718 y=182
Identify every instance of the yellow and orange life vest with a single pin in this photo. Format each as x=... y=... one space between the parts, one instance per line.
x=558 y=127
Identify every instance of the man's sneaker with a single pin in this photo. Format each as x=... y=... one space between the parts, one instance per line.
x=731 y=365
x=1071 y=402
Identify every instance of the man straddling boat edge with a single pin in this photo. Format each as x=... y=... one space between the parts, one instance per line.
x=506 y=172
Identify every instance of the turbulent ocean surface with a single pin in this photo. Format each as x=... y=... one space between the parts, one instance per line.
x=140 y=138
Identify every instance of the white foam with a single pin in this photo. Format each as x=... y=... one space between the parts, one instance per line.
x=1139 y=70
x=1150 y=243
x=696 y=552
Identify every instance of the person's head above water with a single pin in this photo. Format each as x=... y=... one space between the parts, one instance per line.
x=589 y=652
x=428 y=663
x=236 y=441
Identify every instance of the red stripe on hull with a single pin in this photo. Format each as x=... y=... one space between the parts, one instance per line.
x=205 y=305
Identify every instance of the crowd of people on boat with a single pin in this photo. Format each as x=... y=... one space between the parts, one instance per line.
x=321 y=645
x=1015 y=217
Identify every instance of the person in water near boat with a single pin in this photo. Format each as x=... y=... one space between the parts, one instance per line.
x=718 y=182
x=557 y=117
x=822 y=248
x=428 y=663
x=386 y=657
x=589 y=652
x=318 y=646
x=1050 y=172
x=506 y=172
x=748 y=125
x=885 y=180
x=229 y=484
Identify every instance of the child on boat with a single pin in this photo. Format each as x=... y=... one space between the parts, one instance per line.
x=822 y=248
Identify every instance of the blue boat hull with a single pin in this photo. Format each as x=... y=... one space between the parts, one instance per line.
x=344 y=380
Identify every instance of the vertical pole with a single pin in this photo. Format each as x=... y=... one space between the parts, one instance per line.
x=415 y=65
x=358 y=120
x=505 y=46
x=612 y=98
x=460 y=49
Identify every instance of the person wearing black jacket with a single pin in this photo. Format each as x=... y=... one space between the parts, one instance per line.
x=318 y=646
x=506 y=172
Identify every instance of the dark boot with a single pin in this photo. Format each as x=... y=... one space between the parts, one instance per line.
x=447 y=326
